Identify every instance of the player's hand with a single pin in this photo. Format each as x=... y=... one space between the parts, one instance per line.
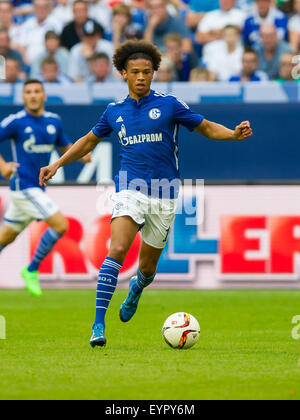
x=243 y=131
x=87 y=158
x=47 y=173
x=8 y=169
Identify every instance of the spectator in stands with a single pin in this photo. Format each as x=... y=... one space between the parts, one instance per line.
x=138 y=11
x=250 y=72
x=92 y=42
x=180 y=5
x=32 y=32
x=198 y=9
x=224 y=57
x=211 y=26
x=183 y=62
x=62 y=12
x=50 y=72
x=294 y=27
x=7 y=21
x=161 y=23
x=136 y=4
x=102 y=13
x=51 y=49
x=121 y=19
x=100 y=67
x=73 y=32
x=166 y=71
x=22 y=9
x=270 y=50
x=264 y=12
x=123 y=27
x=201 y=74
x=245 y=5
x=289 y=70
x=13 y=73
x=8 y=52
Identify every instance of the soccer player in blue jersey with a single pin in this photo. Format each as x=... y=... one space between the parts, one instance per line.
x=146 y=123
x=34 y=134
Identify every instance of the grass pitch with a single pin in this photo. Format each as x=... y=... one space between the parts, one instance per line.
x=245 y=351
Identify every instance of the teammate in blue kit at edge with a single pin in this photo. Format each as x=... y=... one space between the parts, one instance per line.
x=34 y=134
x=146 y=123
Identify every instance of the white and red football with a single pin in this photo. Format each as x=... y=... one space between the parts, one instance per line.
x=181 y=330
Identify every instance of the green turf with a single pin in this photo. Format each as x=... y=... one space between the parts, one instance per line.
x=245 y=351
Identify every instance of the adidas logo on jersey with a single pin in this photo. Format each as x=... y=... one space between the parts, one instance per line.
x=120 y=119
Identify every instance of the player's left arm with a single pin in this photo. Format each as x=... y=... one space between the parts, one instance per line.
x=216 y=131
x=81 y=148
x=86 y=159
x=7 y=169
x=64 y=144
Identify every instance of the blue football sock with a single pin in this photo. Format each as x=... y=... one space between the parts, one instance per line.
x=142 y=281
x=46 y=245
x=107 y=283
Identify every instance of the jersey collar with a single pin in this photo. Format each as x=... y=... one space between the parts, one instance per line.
x=33 y=116
x=142 y=101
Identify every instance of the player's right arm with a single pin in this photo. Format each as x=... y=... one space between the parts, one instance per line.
x=8 y=130
x=82 y=147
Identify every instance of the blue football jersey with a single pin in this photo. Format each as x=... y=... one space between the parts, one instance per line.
x=32 y=139
x=148 y=134
x=251 y=30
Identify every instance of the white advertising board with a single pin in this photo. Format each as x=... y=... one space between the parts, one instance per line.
x=238 y=236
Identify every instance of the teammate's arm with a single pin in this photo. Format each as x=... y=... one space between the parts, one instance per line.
x=216 y=131
x=82 y=147
x=7 y=169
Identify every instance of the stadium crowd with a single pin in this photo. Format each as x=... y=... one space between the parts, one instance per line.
x=73 y=41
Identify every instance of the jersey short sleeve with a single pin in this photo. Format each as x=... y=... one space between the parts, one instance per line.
x=62 y=139
x=207 y=23
x=7 y=127
x=102 y=128
x=185 y=116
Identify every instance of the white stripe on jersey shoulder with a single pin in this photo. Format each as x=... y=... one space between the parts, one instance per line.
x=12 y=117
x=117 y=102
x=163 y=95
x=48 y=114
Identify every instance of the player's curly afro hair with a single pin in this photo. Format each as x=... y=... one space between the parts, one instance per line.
x=134 y=50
